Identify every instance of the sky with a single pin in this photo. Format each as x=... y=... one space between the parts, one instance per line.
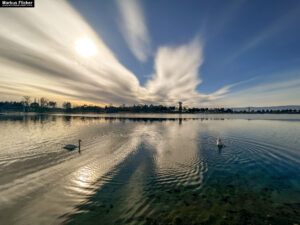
x=208 y=53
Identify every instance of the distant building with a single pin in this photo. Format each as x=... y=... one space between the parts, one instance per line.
x=180 y=106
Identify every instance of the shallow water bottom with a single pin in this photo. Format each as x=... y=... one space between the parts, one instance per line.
x=135 y=196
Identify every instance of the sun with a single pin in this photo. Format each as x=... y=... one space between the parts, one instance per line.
x=85 y=47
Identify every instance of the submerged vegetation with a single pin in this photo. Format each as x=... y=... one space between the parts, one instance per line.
x=221 y=201
x=44 y=105
x=216 y=205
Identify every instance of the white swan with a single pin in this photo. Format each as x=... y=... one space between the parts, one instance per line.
x=72 y=147
x=219 y=143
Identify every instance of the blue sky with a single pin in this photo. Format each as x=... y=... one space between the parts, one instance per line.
x=242 y=52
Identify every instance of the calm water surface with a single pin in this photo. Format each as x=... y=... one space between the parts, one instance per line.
x=150 y=169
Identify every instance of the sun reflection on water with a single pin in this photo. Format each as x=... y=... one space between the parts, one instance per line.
x=83 y=180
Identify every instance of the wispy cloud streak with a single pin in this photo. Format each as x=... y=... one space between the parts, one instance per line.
x=134 y=29
x=278 y=26
x=38 y=58
x=177 y=76
x=272 y=93
x=38 y=47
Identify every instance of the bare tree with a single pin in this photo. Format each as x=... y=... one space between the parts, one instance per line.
x=44 y=102
x=67 y=105
x=26 y=100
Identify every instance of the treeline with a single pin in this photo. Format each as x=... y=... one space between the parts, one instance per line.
x=44 y=105
x=275 y=111
x=40 y=106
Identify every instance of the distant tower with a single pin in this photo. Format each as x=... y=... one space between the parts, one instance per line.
x=180 y=106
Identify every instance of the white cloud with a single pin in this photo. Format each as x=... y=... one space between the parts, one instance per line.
x=132 y=25
x=176 y=77
x=272 y=93
x=38 y=53
x=38 y=58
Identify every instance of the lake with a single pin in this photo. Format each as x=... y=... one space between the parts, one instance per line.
x=150 y=169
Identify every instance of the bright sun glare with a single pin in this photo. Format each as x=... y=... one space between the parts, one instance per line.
x=86 y=47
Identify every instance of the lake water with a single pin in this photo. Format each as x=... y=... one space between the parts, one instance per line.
x=150 y=169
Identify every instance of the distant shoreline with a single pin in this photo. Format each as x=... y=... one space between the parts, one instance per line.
x=45 y=106
x=133 y=113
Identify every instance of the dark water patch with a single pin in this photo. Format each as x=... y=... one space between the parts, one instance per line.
x=113 y=202
x=217 y=204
